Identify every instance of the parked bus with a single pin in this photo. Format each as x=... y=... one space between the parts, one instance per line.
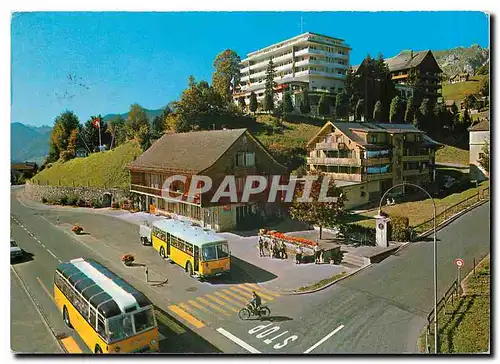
x=201 y=252
x=108 y=313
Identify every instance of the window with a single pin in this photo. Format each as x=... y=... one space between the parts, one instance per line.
x=120 y=327
x=144 y=320
x=222 y=251
x=245 y=159
x=373 y=139
x=208 y=253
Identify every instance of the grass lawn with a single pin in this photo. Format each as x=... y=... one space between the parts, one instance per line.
x=417 y=211
x=321 y=283
x=458 y=91
x=464 y=326
x=450 y=154
x=97 y=170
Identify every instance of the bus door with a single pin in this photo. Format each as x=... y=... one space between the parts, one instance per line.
x=168 y=244
x=196 y=258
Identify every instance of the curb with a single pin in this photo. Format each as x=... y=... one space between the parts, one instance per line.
x=451 y=219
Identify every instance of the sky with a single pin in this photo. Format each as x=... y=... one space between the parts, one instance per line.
x=102 y=62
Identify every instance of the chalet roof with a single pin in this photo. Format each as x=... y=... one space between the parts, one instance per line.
x=482 y=125
x=192 y=152
x=405 y=60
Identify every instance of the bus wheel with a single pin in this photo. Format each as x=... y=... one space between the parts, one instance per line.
x=66 y=317
x=189 y=268
x=144 y=240
x=162 y=252
x=97 y=349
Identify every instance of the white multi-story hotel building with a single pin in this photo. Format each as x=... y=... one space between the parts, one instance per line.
x=308 y=60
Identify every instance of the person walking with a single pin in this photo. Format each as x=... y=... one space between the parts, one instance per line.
x=261 y=246
x=317 y=252
x=298 y=255
x=266 y=246
x=283 y=250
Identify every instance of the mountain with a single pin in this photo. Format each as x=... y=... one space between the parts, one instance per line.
x=457 y=60
x=150 y=113
x=29 y=143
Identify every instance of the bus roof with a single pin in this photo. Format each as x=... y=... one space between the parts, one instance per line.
x=110 y=294
x=188 y=232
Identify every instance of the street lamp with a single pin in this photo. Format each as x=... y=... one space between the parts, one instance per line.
x=435 y=255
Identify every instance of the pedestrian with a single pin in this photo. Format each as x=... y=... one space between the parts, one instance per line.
x=321 y=258
x=261 y=246
x=283 y=250
x=266 y=246
x=298 y=255
x=317 y=252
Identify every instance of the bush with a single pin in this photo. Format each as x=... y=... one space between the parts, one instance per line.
x=44 y=200
x=72 y=201
x=63 y=200
x=96 y=203
x=358 y=233
x=337 y=256
x=399 y=228
x=115 y=205
x=81 y=203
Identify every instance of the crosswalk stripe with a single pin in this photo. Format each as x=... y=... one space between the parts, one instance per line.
x=217 y=308
x=198 y=306
x=215 y=299
x=244 y=293
x=269 y=298
x=228 y=299
x=186 y=316
x=232 y=294
x=265 y=290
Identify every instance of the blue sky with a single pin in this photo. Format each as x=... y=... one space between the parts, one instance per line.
x=116 y=59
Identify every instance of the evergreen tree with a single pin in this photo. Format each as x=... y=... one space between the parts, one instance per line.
x=287 y=102
x=342 y=105
x=270 y=85
x=377 y=112
x=410 y=110
x=241 y=103
x=425 y=114
x=305 y=107
x=396 y=111
x=323 y=106
x=253 y=102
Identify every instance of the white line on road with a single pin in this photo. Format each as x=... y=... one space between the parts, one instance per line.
x=51 y=253
x=324 y=339
x=238 y=341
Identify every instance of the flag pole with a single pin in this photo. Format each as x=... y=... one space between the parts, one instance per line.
x=99 y=134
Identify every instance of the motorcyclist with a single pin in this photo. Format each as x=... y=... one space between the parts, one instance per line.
x=256 y=302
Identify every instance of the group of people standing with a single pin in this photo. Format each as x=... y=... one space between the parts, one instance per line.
x=274 y=248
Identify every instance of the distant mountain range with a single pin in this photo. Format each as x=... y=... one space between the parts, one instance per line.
x=458 y=60
x=31 y=143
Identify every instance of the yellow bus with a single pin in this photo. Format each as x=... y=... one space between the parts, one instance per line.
x=108 y=313
x=201 y=252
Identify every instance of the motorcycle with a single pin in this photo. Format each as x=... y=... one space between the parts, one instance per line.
x=247 y=312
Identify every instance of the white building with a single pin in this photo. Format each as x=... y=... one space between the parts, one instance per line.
x=310 y=60
x=478 y=135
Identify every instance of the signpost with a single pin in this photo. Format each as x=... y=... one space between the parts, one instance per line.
x=459 y=263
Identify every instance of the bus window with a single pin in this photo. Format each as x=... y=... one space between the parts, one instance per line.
x=101 y=329
x=120 y=327
x=144 y=320
x=209 y=252
x=222 y=251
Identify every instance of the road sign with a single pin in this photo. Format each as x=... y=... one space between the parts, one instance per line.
x=459 y=262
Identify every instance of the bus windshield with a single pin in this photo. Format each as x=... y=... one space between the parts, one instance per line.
x=121 y=327
x=213 y=252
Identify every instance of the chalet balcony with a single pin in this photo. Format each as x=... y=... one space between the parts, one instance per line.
x=154 y=191
x=334 y=161
x=416 y=158
x=376 y=161
x=353 y=177
x=415 y=172
x=330 y=146
x=378 y=176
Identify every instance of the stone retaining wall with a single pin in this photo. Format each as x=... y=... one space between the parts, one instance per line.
x=51 y=193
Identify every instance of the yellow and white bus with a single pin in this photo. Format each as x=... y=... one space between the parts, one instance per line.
x=109 y=314
x=201 y=252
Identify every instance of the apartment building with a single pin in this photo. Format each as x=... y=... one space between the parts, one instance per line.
x=366 y=159
x=479 y=134
x=313 y=61
x=422 y=66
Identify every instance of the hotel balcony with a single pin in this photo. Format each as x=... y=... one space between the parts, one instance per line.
x=416 y=158
x=330 y=146
x=245 y=78
x=334 y=161
x=375 y=161
x=244 y=70
x=258 y=74
x=320 y=52
x=354 y=177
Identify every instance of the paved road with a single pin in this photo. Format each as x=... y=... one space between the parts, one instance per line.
x=379 y=310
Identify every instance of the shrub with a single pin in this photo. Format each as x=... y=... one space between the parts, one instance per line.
x=337 y=256
x=399 y=230
x=73 y=200
x=96 y=203
x=81 y=203
x=363 y=234
x=44 y=200
x=63 y=200
x=115 y=205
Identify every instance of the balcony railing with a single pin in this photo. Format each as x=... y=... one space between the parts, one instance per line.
x=330 y=146
x=354 y=177
x=415 y=172
x=415 y=158
x=378 y=176
x=334 y=161
x=376 y=161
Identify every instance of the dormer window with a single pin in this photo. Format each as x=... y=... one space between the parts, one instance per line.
x=245 y=159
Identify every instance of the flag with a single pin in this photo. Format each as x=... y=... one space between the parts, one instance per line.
x=97 y=122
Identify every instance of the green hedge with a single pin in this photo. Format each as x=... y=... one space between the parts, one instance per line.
x=399 y=228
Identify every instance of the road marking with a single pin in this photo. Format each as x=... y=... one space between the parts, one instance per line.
x=209 y=304
x=269 y=298
x=186 y=316
x=238 y=341
x=244 y=300
x=215 y=299
x=245 y=293
x=265 y=290
x=71 y=345
x=45 y=289
x=51 y=253
x=237 y=304
x=198 y=306
x=169 y=323
x=324 y=339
